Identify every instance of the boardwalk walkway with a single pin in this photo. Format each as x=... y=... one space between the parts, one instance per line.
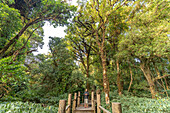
x=75 y=106
x=82 y=109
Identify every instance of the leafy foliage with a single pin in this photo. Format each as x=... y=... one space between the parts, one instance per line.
x=112 y=45
x=12 y=74
x=131 y=104
x=27 y=107
x=10 y=23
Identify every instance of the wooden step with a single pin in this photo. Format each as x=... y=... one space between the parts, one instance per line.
x=84 y=110
x=79 y=111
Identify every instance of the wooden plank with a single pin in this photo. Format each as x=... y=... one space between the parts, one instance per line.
x=105 y=110
x=89 y=111
x=83 y=108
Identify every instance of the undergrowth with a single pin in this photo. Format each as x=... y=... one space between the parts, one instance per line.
x=129 y=103
x=26 y=107
x=133 y=104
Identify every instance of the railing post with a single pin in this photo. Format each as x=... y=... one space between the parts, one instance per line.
x=69 y=103
x=74 y=102
x=116 y=107
x=98 y=101
x=92 y=99
x=62 y=106
x=78 y=100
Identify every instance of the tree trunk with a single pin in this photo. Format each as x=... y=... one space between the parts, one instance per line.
x=118 y=78
x=87 y=84
x=87 y=70
x=105 y=79
x=146 y=71
x=101 y=45
x=158 y=74
x=166 y=84
x=163 y=71
x=131 y=78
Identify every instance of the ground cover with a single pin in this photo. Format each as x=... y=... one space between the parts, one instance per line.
x=26 y=107
x=133 y=104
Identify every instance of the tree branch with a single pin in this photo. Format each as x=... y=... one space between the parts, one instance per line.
x=160 y=77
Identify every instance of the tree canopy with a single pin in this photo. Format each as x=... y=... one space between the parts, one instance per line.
x=121 y=47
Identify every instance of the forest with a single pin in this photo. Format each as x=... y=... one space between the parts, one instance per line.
x=121 y=47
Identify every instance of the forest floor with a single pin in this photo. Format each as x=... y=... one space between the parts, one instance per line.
x=130 y=104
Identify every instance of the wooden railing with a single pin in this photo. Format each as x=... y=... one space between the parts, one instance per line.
x=116 y=107
x=62 y=105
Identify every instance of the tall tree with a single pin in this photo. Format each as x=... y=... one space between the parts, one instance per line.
x=35 y=13
x=81 y=47
x=147 y=38
x=96 y=14
x=53 y=72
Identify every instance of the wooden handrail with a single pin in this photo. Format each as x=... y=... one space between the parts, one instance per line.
x=74 y=102
x=105 y=110
x=116 y=107
x=67 y=107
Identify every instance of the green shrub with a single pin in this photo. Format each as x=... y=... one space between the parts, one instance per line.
x=131 y=104
x=144 y=105
x=54 y=100
x=27 y=107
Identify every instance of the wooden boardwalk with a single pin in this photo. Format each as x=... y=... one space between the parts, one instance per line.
x=74 y=105
x=82 y=109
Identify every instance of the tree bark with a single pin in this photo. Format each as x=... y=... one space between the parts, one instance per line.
x=146 y=71
x=88 y=84
x=159 y=75
x=163 y=71
x=166 y=84
x=105 y=78
x=118 y=78
x=87 y=71
x=102 y=51
x=131 y=78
